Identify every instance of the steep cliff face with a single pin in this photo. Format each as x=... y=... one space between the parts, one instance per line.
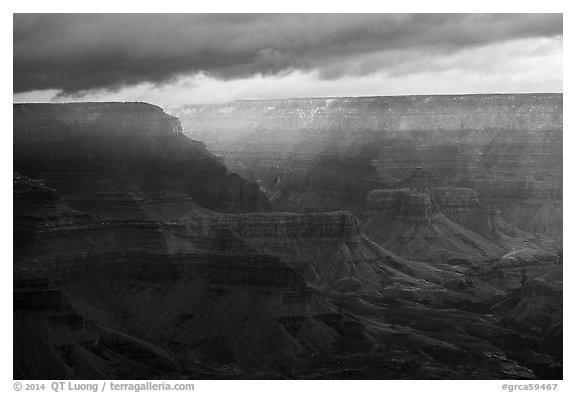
x=116 y=297
x=534 y=206
x=333 y=254
x=447 y=223
x=467 y=112
x=228 y=296
x=34 y=123
x=97 y=296
x=456 y=140
x=328 y=248
x=133 y=256
x=48 y=229
x=112 y=148
x=463 y=206
x=411 y=225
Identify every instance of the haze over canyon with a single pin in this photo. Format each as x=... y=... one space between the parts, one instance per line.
x=385 y=237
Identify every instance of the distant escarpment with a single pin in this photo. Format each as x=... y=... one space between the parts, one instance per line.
x=95 y=153
x=446 y=112
x=322 y=154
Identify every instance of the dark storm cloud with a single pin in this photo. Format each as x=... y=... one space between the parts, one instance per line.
x=80 y=52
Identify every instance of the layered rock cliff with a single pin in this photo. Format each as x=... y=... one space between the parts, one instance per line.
x=90 y=149
x=98 y=294
x=137 y=255
x=133 y=299
x=448 y=224
x=409 y=224
x=328 y=248
x=227 y=296
x=323 y=154
x=532 y=112
x=333 y=254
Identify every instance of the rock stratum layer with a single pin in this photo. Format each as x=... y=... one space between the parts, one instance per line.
x=448 y=225
x=103 y=150
x=259 y=295
x=138 y=255
x=323 y=154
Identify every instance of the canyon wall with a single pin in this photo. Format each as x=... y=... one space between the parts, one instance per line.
x=137 y=254
x=531 y=112
x=90 y=149
x=449 y=224
x=322 y=154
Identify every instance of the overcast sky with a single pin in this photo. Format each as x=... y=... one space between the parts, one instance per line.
x=171 y=60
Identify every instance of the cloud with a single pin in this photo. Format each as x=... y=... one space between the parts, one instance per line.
x=78 y=53
x=519 y=66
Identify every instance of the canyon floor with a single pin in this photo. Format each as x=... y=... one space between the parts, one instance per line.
x=415 y=237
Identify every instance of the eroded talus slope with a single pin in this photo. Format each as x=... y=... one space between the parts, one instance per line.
x=116 y=223
x=126 y=304
x=51 y=338
x=410 y=225
x=463 y=206
x=226 y=296
x=147 y=283
x=310 y=152
x=389 y=294
x=449 y=225
x=333 y=254
x=136 y=299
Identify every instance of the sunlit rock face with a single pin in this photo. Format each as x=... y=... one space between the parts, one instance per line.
x=327 y=153
x=533 y=112
x=97 y=153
